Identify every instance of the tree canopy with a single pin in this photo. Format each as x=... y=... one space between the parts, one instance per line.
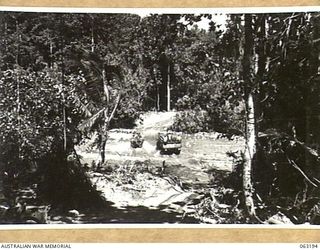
x=66 y=75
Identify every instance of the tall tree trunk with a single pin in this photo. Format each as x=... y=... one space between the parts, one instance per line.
x=5 y=35
x=250 y=133
x=64 y=127
x=62 y=86
x=249 y=154
x=104 y=128
x=18 y=112
x=155 y=79
x=92 y=37
x=18 y=88
x=2 y=165
x=267 y=23
x=51 y=54
x=107 y=117
x=1 y=183
x=158 y=97
x=260 y=57
x=168 y=89
x=64 y=115
x=103 y=142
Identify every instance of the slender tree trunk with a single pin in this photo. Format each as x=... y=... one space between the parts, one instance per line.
x=260 y=66
x=249 y=154
x=2 y=166
x=62 y=86
x=1 y=184
x=92 y=37
x=64 y=128
x=18 y=88
x=250 y=133
x=104 y=129
x=168 y=89
x=158 y=98
x=267 y=50
x=5 y=36
x=104 y=136
x=51 y=54
x=103 y=142
x=18 y=114
x=64 y=116
x=154 y=72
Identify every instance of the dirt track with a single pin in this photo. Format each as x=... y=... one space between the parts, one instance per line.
x=200 y=153
x=199 y=150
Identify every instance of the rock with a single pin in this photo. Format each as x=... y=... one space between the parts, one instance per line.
x=279 y=218
x=223 y=206
x=73 y=212
x=38 y=214
x=208 y=220
x=96 y=174
x=31 y=222
x=68 y=220
x=3 y=210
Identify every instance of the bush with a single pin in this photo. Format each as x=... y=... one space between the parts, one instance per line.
x=184 y=103
x=192 y=121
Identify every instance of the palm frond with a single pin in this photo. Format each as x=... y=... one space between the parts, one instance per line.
x=93 y=70
x=309 y=150
x=90 y=122
x=86 y=109
x=273 y=133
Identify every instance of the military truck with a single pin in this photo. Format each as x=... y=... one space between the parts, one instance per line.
x=136 y=140
x=169 y=142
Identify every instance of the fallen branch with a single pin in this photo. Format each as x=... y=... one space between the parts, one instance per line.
x=316 y=180
x=301 y=172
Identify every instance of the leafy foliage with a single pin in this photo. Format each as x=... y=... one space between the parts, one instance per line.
x=192 y=121
x=63 y=75
x=33 y=123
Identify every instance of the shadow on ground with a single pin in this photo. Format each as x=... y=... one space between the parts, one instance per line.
x=126 y=215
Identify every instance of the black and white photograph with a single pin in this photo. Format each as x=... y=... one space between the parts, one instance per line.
x=149 y=117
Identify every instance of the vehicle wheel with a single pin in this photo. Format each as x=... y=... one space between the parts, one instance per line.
x=177 y=151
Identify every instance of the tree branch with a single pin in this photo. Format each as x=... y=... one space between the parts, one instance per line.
x=301 y=172
x=115 y=107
